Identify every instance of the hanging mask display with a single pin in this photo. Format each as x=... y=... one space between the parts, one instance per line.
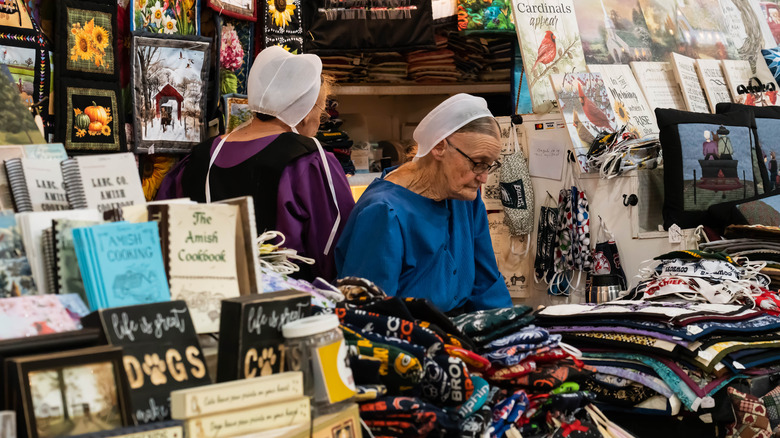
x=545 y=240
x=606 y=260
x=517 y=193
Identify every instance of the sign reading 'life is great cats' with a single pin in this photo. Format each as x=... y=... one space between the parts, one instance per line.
x=161 y=353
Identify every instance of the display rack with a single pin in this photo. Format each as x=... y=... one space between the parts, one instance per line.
x=388 y=89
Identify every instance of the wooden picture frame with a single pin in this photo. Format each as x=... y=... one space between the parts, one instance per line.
x=170 y=113
x=75 y=371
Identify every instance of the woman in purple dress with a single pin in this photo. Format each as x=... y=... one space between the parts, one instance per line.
x=298 y=188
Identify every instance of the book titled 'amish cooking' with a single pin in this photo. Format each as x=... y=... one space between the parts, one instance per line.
x=121 y=264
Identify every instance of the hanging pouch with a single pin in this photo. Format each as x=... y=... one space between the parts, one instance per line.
x=517 y=193
x=606 y=260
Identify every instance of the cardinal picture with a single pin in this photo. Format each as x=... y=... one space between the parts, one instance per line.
x=547 y=51
x=593 y=113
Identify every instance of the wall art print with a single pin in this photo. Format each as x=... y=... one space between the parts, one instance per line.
x=721 y=169
x=18 y=125
x=92 y=117
x=283 y=25
x=170 y=17
x=14 y=14
x=170 y=85
x=627 y=99
x=550 y=44
x=584 y=100
x=236 y=38
x=86 y=42
x=236 y=111
x=241 y=9
x=613 y=31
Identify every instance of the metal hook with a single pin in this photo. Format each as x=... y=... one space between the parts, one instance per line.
x=632 y=200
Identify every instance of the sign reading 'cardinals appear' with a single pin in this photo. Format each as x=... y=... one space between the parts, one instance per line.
x=550 y=44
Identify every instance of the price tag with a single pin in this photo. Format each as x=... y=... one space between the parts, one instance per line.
x=675 y=234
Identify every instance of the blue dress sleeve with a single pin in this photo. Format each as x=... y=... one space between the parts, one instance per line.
x=489 y=288
x=371 y=247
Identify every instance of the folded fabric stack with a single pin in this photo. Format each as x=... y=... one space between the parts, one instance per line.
x=756 y=243
x=498 y=60
x=335 y=140
x=669 y=357
x=482 y=59
x=387 y=67
x=345 y=68
x=433 y=66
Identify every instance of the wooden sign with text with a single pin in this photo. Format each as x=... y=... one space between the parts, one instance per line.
x=251 y=342
x=161 y=353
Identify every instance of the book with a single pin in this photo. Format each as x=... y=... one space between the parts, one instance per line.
x=15 y=272
x=199 y=247
x=47 y=244
x=627 y=99
x=121 y=264
x=236 y=394
x=685 y=72
x=550 y=43
x=251 y=331
x=103 y=181
x=658 y=84
x=36 y=184
x=713 y=82
x=161 y=353
x=738 y=77
x=584 y=102
x=66 y=266
x=247 y=253
x=31 y=227
x=34 y=315
x=266 y=417
x=55 y=152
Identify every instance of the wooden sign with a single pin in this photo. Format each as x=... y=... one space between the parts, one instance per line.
x=161 y=353
x=251 y=342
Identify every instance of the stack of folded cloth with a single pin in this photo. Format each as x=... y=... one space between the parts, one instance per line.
x=345 y=68
x=387 y=67
x=335 y=140
x=669 y=358
x=433 y=66
x=498 y=60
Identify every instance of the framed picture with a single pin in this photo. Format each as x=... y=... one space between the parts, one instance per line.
x=14 y=15
x=169 y=17
x=236 y=111
x=86 y=42
x=236 y=41
x=72 y=393
x=170 y=85
x=243 y=9
x=91 y=117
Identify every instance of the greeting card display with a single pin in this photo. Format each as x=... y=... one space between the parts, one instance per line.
x=161 y=353
x=170 y=77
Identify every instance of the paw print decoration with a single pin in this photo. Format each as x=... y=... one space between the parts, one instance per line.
x=155 y=369
x=266 y=361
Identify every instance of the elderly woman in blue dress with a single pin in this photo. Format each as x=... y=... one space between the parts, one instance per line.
x=422 y=230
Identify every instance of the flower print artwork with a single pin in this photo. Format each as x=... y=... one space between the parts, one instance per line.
x=172 y=17
x=231 y=59
x=281 y=12
x=90 y=42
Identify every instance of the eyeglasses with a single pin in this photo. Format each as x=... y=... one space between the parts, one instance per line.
x=478 y=167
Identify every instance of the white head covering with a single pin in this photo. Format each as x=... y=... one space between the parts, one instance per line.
x=284 y=85
x=448 y=117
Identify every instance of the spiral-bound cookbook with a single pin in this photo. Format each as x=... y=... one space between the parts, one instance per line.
x=102 y=182
x=36 y=184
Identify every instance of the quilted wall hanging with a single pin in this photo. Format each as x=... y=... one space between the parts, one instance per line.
x=86 y=43
x=91 y=116
x=169 y=17
x=235 y=54
x=241 y=9
x=236 y=111
x=18 y=126
x=170 y=85
x=14 y=15
x=282 y=24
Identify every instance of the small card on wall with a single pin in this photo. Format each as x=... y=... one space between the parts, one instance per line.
x=161 y=353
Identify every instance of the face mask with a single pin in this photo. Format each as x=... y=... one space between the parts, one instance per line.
x=606 y=260
x=545 y=239
x=517 y=194
x=712 y=270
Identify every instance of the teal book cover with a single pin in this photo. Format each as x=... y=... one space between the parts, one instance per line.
x=128 y=264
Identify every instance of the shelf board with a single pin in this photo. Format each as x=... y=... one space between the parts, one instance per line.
x=387 y=89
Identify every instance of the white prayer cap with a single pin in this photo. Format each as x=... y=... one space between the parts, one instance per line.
x=284 y=85
x=451 y=115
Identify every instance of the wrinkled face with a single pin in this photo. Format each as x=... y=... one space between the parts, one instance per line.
x=309 y=125
x=462 y=182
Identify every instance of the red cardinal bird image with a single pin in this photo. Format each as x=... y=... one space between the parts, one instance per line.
x=546 y=53
x=592 y=111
